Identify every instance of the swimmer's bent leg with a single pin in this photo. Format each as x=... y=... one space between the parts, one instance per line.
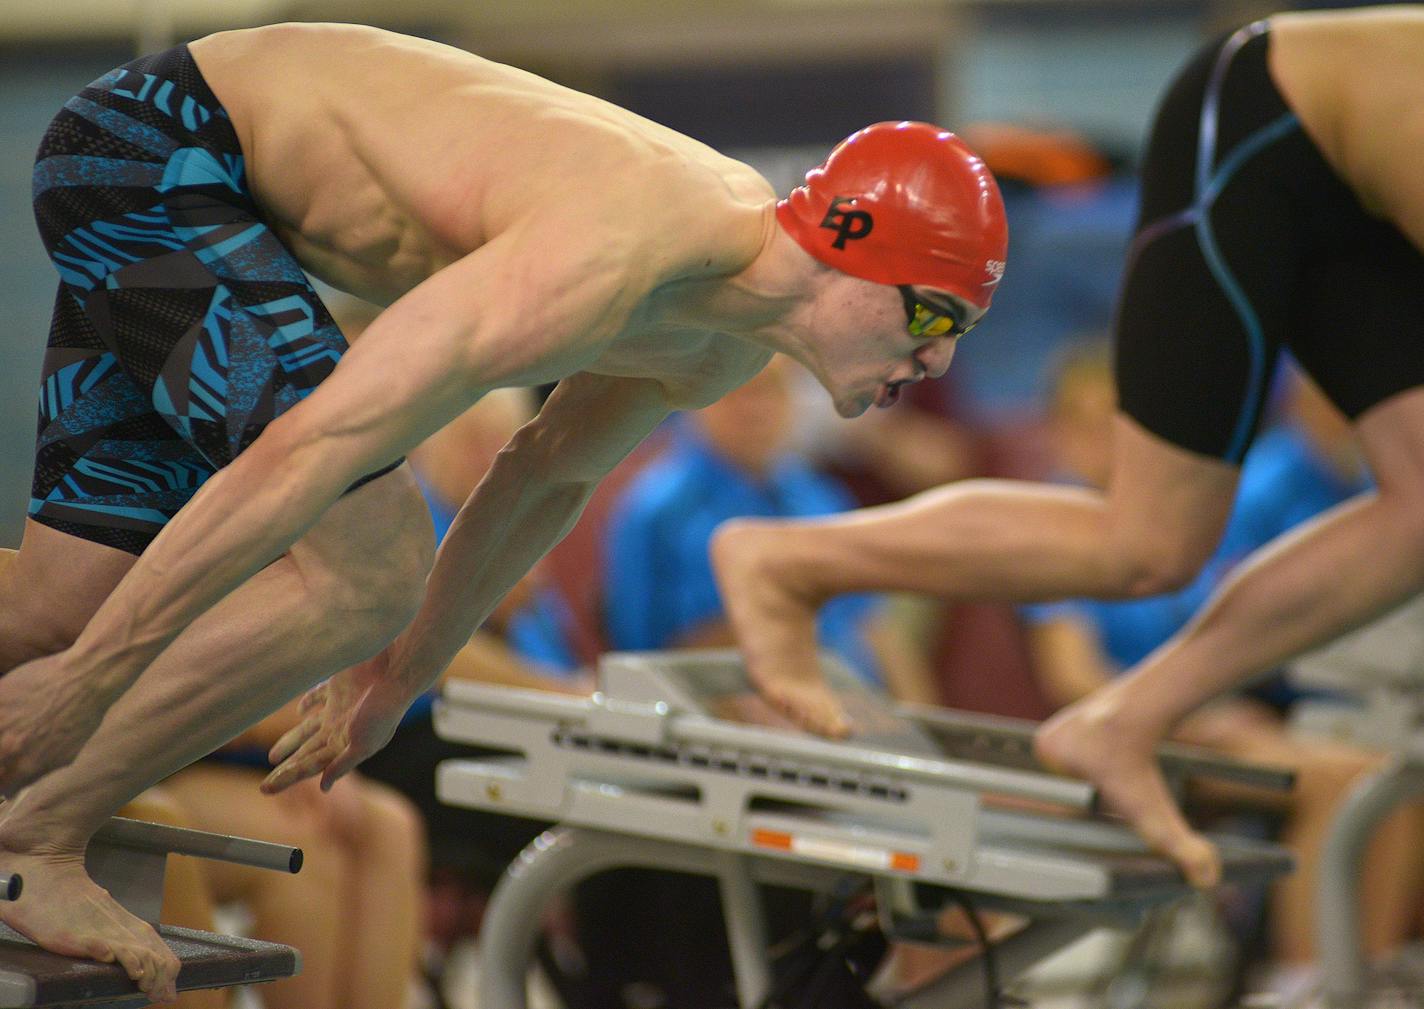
x=335 y=599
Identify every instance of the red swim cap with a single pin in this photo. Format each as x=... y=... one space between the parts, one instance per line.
x=903 y=203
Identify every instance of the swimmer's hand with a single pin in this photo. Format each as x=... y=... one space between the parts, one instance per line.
x=47 y=712
x=345 y=720
x=775 y=625
x=1097 y=739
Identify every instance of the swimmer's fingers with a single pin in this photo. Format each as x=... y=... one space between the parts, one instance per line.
x=343 y=765
x=308 y=761
x=315 y=697
x=294 y=738
x=372 y=727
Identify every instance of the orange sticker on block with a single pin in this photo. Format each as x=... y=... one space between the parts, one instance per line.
x=825 y=850
x=903 y=862
x=772 y=839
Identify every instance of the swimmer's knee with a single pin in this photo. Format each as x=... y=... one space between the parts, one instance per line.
x=1151 y=567
x=26 y=635
x=375 y=583
x=1408 y=513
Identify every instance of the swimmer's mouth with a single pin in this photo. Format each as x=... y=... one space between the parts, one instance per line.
x=890 y=392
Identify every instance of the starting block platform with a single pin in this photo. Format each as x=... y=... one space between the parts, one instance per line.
x=128 y=858
x=676 y=763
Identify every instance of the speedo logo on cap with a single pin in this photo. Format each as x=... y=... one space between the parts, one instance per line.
x=848 y=225
x=995 y=269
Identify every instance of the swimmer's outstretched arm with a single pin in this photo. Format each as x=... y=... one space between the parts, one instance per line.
x=528 y=501
x=508 y=314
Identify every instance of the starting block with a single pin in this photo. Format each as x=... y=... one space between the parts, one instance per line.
x=675 y=763
x=128 y=858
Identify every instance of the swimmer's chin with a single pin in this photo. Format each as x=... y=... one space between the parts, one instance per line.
x=852 y=408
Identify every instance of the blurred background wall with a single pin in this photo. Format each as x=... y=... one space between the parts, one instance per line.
x=774 y=81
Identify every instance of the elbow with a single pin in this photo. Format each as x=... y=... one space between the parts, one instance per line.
x=541 y=454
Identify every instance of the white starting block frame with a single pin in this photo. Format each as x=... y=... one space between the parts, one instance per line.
x=129 y=859
x=657 y=770
x=1381 y=664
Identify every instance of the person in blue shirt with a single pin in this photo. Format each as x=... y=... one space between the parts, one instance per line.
x=731 y=460
x=1299 y=468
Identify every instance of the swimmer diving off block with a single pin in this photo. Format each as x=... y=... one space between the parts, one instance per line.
x=1282 y=205
x=220 y=517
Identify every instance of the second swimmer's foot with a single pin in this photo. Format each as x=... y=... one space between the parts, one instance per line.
x=775 y=626
x=65 y=912
x=1091 y=740
x=810 y=704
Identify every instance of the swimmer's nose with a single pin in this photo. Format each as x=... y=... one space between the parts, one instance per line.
x=934 y=358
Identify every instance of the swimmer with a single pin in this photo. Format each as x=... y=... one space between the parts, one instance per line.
x=1282 y=205
x=220 y=516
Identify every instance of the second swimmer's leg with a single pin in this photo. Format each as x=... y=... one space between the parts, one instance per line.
x=979 y=539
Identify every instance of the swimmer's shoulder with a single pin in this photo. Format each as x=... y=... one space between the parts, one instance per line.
x=667 y=209
x=709 y=215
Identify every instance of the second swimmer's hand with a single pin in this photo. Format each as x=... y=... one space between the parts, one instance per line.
x=345 y=720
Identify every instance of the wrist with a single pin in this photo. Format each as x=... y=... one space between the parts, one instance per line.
x=28 y=829
x=411 y=674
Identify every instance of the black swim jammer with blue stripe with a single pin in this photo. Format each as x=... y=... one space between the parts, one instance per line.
x=182 y=326
x=1248 y=242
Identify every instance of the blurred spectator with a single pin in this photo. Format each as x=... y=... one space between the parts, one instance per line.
x=355 y=908
x=1079 y=644
x=728 y=460
x=1296 y=469
x=886 y=455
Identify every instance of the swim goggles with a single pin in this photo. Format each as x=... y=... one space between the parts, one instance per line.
x=927 y=320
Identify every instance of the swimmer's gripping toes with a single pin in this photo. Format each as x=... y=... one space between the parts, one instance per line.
x=128 y=858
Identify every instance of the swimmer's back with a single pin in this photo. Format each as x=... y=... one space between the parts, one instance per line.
x=375 y=152
x=1356 y=80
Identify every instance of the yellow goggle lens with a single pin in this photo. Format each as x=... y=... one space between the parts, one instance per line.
x=928 y=323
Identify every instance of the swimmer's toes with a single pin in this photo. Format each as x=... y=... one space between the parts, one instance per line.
x=101 y=950
x=1201 y=863
x=818 y=712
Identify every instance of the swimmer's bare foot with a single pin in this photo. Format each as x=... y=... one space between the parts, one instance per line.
x=775 y=625
x=1096 y=739
x=46 y=714
x=66 y=912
